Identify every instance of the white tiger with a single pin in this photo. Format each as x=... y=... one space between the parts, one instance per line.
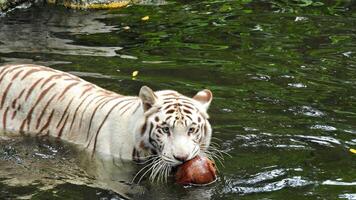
x=37 y=100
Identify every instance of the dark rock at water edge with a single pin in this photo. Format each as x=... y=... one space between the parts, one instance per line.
x=8 y=4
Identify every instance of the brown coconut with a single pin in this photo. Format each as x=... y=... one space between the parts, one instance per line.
x=197 y=171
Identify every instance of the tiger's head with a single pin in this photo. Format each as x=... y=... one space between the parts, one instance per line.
x=174 y=128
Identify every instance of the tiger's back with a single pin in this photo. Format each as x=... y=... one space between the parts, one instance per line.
x=38 y=100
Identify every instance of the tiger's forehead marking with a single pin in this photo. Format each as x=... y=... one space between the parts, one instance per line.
x=178 y=109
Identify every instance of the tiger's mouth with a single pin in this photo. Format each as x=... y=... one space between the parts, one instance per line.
x=198 y=171
x=158 y=168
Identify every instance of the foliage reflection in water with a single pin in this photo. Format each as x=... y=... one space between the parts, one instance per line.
x=282 y=73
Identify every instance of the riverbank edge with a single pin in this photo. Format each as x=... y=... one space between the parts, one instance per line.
x=6 y=5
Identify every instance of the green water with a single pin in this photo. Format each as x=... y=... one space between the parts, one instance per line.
x=283 y=75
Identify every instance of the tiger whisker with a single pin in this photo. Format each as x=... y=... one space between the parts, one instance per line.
x=196 y=151
x=214 y=156
x=216 y=148
x=148 y=160
x=159 y=168
x=155 y=171
x=150 y=169
x=149 y=156
x=141 y=170
x=209 y=156
x=168 y=159
x=221 y=151
x=214 y=144
x=158 y=173
x=215 y=152
x=167 y=172
x=161 y=174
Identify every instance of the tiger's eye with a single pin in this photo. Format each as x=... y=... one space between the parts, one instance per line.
x=165 y=129
x=191 y=130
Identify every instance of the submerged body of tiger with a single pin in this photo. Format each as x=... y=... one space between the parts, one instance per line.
x=37 y=100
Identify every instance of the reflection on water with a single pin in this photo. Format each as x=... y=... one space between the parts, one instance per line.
x=46 y=165
x=40 y=32
x=282 y=74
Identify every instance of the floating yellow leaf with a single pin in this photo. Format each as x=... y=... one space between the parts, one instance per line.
x=134 y=73
x=353 y=151
x=145 y=18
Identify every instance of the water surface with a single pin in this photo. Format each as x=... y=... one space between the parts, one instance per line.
x=283 y=76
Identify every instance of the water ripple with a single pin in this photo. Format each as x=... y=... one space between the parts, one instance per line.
x=307 y=111
x=330 y=182
x=90 y=74
x=323 y=127
x=297 y=85
x=348 y=196
x=262 y=176
x=261 y=77
x=293 y=182
x=284 y=141
x=322 y=140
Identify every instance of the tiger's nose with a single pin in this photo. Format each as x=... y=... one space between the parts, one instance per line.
x=181 y=158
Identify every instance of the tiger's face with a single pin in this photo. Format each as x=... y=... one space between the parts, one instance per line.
x=175 y=127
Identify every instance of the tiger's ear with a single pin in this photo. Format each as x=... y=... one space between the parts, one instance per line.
x=204 y=97
x=148 y=97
